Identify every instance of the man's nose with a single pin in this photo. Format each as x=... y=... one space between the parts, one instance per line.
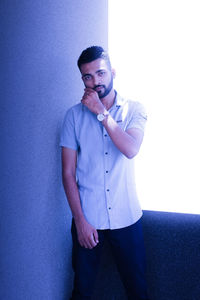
x=96 y=80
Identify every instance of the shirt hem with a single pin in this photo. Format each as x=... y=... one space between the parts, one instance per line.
x=122 y=226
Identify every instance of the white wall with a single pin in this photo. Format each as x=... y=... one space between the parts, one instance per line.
x=155 y=48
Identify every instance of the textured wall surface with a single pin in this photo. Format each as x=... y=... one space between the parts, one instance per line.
x=39 y=80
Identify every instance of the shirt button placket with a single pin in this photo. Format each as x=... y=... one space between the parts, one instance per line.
x=106 y=159
x=108 y=200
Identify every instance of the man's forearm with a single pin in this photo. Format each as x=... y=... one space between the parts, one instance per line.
x=73 y=197
x=128 y=144
x=87 y=234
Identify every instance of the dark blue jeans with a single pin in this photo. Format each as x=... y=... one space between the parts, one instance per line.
x=127 y=246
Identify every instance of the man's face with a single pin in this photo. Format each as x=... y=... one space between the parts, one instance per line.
x=98 y=76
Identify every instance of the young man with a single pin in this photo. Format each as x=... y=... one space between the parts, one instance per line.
x=100 y=138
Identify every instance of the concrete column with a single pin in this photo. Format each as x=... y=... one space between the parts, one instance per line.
x=39 y=80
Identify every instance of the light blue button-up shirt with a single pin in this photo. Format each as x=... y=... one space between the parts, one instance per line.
x=105 y=177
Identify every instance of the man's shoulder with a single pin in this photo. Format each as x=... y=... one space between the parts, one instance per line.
x=74 y=110
x=72 y=113
x=135 y=104
x=132 y=104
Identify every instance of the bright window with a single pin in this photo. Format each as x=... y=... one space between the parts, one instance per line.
x=155 y=49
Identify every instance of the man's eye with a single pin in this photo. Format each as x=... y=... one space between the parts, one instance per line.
x=87 y=77
x=102 y=73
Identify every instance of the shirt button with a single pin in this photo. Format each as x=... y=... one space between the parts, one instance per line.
x=106 y=153
x=106 y=171
x=109 y=207
x=107 y=190
x=105 y=135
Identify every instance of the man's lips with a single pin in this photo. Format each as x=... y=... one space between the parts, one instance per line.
x=99 y=88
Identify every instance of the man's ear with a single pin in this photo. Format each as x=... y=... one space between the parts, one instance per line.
x=113 y=71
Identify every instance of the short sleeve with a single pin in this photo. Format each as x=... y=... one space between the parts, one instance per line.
x=138 y=116
x=68 y=135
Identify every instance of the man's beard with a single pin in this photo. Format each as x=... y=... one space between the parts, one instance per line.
x=106 y=89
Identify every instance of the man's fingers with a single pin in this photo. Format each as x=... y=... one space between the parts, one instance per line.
x=91 y=243
x=89 y=90
x=88 y=242
x=92 y=240
x=95 y=234
x=88 y=237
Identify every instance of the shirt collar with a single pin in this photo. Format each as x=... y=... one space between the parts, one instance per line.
x=117 y=102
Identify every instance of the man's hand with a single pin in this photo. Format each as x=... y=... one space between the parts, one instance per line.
x=87 y=234
x=92 y=102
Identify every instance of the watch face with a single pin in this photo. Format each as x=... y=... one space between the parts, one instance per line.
x=100 y=117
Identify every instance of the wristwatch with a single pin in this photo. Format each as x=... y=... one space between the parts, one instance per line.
x=101 y=117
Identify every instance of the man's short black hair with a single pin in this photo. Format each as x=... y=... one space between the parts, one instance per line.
x=92 y=53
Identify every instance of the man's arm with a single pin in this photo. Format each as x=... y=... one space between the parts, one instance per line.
x=87 y=234
x=128 y=142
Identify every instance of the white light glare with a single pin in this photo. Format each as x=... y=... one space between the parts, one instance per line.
x=154 y=46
